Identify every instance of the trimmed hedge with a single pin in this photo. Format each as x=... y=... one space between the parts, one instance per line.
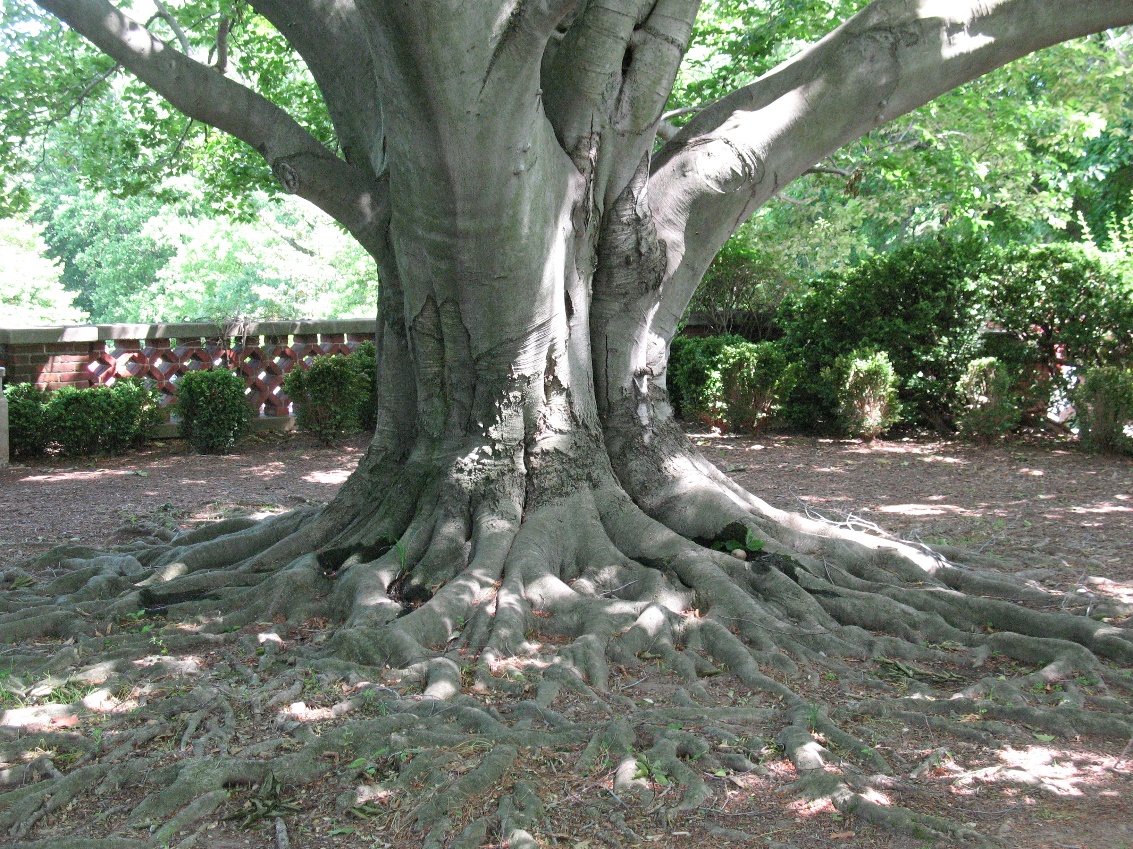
x=27 y=419
x=214 y=412
x=80 y=422
x=988 y=398
x=728 y=381
x=867 y=393
x=1104 y=406
x=328 y=396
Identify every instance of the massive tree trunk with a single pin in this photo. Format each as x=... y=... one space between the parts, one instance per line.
x=526 y=475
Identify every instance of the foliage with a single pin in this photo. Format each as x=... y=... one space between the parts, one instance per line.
x=364 y=360
x=729 y=381
x=1104 y=406
x=753 y=382
x=742 y=290
x=214 y=414
x=1037 y=149
x=27 y=423
x=31 y=291
x=1103 y=187
x=988 y=406
x=167 y=259
x=328 y=396
x=736 y=41
x=1064 y=304
x=66 y=103
x=866 y=389
x=100 y=419
x=109 y=250
x=920 y=303
x=693 y=361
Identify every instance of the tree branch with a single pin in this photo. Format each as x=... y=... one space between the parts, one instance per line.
x=222 y=30
x=302 y=164
x=330 y=36
x=167 y=16
x=884 y=62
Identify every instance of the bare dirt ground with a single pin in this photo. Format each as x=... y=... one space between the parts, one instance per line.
x=1065 y=516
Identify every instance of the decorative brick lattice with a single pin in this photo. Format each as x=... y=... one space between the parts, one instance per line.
x=263 y=362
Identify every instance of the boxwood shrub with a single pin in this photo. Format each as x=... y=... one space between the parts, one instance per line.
x=213 y=409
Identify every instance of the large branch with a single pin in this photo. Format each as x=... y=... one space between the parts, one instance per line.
x=303 y=165
x=889 y=59
x=330 y=35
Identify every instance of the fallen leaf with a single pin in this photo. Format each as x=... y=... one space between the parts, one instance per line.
x=65 y=721
x=842 y=835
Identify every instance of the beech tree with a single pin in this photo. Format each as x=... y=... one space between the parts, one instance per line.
x=536 y=248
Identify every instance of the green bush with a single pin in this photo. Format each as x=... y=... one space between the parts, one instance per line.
x=364 y=360
x=1104 y=407
x=145 y=401
x=328 y=396
x=754 y=379
x=27 y=420
x=867 y=393
x=742 y=291
x=214 y=412
x=692 y=376
x=988 y=405
x=1063 y=306
x=101 y=419
x=920 y=303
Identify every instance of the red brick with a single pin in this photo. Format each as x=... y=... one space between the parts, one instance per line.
x=67 y=348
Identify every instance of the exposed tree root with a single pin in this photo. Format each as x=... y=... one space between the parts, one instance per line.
x=418 y=657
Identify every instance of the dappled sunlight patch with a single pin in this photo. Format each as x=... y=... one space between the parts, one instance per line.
x=1103 y=507
x=372 y=794
x=40 y=718
x=924 y=509
x=331 y=477
x=169 y=665
x=872 y=794
x=303 y=713
x=270 y=470
x=1062 y=772
x=1115 y=590
x=804 y=808
x=68 y=474
x=515 y=666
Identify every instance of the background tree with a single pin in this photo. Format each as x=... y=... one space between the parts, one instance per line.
x=536 y=253
x=30 y=288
